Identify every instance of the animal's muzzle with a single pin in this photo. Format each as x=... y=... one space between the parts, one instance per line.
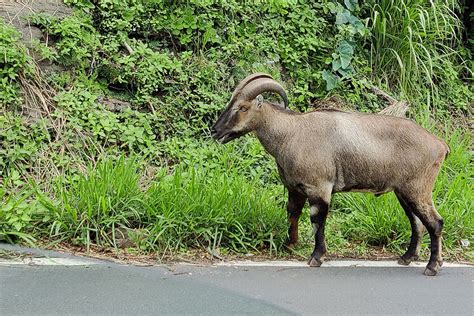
x=215 y=134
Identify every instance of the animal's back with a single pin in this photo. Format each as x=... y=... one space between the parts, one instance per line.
x=377 y=152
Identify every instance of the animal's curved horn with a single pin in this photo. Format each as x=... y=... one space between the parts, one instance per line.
x=261 y=85
x=245 y=81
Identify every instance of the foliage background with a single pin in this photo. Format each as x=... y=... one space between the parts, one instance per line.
x=147 y=79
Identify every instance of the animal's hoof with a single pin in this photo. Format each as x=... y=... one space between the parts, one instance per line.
x=440 y=263
x=404 y=262
x=430 y=272
x=313 y=262
x=290 y=246
x=406 y=259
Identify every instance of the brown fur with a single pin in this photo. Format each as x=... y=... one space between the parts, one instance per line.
x=327 y=151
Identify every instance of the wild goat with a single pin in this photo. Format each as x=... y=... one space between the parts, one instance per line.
x=323 y=152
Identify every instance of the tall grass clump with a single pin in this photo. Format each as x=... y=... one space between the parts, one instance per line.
x=414 y=42
x=187 y=207
x=195 y=207
x=89 y=208
x=454 y=191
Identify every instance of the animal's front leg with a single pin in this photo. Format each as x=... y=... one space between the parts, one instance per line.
x=295 y=205
x=318 y=213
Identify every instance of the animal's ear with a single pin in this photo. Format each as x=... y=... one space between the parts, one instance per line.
x=259 y=100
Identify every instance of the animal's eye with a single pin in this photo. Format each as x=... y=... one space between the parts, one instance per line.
x=243 y=109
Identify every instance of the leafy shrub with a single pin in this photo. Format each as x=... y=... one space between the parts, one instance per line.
x=349 y=27
x=76 y=42
x=144 y=70
x=14 y=62
x=19 y=142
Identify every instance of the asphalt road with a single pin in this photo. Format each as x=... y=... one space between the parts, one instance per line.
x=103 y=288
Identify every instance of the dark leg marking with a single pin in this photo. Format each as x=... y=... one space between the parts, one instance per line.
x=319 y=211
x=433 y=222
x=413 y=250
x=295 y=205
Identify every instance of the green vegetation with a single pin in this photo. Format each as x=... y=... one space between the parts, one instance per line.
x=411 y=43
x=15 y=62
x=116 y=138
x=188 y=208
x=219 y=202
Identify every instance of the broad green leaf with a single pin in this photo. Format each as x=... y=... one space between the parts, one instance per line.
x=331 y=80
x=345 y=48
x=357 y=24
x=351 y=4
x=346 y=72
x=345 y=61
x=343 y=17
x=18 y=226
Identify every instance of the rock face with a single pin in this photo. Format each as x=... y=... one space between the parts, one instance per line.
x=37 y=94
x=17 y=13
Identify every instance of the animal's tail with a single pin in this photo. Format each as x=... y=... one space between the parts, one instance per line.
x=448 y=150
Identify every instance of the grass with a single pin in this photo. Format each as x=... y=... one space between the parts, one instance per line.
x=225 y=207
x=178 y=209
x=414 y=42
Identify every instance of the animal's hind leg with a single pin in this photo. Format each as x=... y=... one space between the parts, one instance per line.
x=413 y=250
x=424 y=209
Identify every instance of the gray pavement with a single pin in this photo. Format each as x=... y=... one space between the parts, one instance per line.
x=104 y=288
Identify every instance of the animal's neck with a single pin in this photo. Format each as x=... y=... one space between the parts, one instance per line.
x=274 y=129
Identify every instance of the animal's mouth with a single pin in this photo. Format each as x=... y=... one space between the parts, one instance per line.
x=226 y=136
